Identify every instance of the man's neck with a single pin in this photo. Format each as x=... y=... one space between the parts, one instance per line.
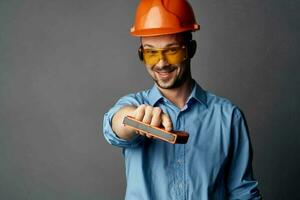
x=179 y=95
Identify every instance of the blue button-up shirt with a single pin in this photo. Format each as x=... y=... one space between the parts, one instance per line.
x=215 y=163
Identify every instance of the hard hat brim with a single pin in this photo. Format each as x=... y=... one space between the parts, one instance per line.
x=162 y=31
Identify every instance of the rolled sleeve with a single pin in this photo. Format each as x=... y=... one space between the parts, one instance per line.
x=109 y=134
x=241 y=183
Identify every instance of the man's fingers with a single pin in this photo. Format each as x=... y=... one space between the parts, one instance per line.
x=140 y=112
x=153 y=116
x=144 y=134
x=140 y=133
x=148 y=115
x=166 y=122
x=156 y=117
x=149 y=136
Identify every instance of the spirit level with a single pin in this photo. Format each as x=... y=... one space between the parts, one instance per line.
x=174 y=137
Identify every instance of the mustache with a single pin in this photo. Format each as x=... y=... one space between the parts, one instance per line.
x=167 y=68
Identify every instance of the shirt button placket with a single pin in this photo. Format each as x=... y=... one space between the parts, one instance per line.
x=180 y=162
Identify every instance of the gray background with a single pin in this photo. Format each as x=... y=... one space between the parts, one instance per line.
x=64 y=63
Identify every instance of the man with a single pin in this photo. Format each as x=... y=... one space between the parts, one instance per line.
x=215 y=163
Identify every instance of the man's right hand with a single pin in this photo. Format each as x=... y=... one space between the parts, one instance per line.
x=144 y=113
x=153 y=116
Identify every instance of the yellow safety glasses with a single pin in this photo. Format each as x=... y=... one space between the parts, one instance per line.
x=173 y=55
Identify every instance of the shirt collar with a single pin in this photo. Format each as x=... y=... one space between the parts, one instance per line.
x=197 y=93
x=154 y=95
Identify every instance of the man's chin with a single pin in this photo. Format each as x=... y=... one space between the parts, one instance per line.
x=166 y=84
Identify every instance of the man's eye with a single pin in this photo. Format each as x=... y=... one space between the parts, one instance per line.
x=171 y=50
x=150 y=51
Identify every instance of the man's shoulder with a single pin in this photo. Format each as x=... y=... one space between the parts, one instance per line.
x=222 y=107
x=139 y=94
x=141 y=97
x=218 y=102
x=210 y=99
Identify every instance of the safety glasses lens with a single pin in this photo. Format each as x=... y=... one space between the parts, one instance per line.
x=173 y=55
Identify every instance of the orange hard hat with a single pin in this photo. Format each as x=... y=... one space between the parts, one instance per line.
x=161 y=17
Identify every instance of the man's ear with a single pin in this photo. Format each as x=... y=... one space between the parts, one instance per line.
x=140 y=53
x=192 y=48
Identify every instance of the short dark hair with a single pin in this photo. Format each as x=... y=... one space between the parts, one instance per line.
x=185 y=37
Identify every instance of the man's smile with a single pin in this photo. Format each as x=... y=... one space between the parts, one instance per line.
x=165 y=73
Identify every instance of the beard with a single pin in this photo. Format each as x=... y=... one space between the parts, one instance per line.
x=175 y=81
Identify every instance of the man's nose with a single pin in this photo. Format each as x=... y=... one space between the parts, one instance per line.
x=162 y=61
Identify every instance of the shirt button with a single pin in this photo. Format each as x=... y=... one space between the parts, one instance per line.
x=180 y=185
x=179 y=161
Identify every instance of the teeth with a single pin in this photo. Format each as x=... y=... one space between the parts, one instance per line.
x=164 y=71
